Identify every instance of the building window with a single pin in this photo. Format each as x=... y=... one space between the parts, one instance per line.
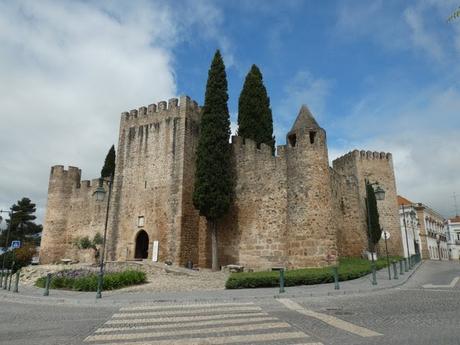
x=140 y=221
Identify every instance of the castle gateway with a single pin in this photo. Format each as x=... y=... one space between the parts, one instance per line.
x=291 y=209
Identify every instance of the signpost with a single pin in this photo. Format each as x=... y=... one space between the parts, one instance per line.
x=386 y=236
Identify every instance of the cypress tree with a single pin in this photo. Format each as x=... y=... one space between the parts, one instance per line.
x=255 y=119
x=212 y=194
x=109 y=164
x=375 y=231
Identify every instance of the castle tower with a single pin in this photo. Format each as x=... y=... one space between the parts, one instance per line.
x=377 y=167
x=310 y=228
x=152 y=190
x=55 y=236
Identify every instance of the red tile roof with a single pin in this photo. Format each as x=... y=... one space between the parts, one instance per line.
x=456 y=219
x=403 y=201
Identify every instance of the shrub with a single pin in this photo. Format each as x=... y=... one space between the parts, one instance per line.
x=23 y=256
x=349 y=268
x=85 y=280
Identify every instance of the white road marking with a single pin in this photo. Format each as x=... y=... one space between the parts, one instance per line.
x=449 y=286
x=330 y=320
x=189 y=324
x=182 y=312
x=131 y=336
x=223 y=339
x=184 y=318
x=184 y=306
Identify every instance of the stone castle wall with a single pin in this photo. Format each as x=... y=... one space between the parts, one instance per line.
x=72 y=212
x=376 y=167
x=254 y=232
x=290 y=210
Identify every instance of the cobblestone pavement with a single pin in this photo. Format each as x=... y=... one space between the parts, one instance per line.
x=408 y=314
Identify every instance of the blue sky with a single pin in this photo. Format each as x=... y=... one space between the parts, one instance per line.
x=378 y=75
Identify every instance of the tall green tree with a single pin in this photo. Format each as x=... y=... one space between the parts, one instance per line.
x=255 y=119
x=213 y=190
x=109 y=164
x=375 y=231
x=23 y=227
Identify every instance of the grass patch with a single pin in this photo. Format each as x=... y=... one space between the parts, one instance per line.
x=349 y=268
x=81 y=280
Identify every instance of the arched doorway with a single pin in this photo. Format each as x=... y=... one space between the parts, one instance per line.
x=142 y=245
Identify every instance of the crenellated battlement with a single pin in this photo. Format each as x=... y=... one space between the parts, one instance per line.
x=356 y=154
x=88 y=184
x=71 y=177
x=249 y=147
x=162 y=108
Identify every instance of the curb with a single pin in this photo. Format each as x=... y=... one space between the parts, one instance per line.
x=28 y=299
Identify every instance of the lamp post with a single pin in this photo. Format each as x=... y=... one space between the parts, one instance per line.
x=100 y=195
x=379 y=195
x=438 y=241
x=6 y=242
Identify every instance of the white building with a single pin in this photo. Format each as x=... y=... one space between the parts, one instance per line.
x=410 y=232
x=423 y=230
x=454 y=238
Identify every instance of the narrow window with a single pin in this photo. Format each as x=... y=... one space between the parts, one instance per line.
x=292 y=140
x=312 y=137
x=140 y=221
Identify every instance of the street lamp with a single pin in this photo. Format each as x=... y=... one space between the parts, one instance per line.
x=379 y=195
x=438 y=241
x=99 y=194
x=6 y=242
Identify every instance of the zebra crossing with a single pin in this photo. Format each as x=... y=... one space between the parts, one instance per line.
x=196 y=324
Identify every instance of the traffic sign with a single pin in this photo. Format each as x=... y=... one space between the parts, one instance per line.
x=385 y=235
x=15 y=244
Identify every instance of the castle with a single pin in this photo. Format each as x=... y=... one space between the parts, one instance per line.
x=290 y=209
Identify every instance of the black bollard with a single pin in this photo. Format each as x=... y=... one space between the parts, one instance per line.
x=395 y=270
x=47 y=285
x=335 y=271
x=281 y=280
x=16 y=282
x=5 y=281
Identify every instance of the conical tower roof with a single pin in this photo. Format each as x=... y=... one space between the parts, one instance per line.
x=305 y=119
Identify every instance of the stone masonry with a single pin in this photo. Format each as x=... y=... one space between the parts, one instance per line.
x=291 y=209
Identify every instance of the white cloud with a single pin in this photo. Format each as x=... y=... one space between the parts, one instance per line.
x=68 y=70
x=422 y=135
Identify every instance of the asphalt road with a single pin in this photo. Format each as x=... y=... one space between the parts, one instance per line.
x=411 y=314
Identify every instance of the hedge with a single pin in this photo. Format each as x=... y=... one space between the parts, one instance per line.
x=87 y=280
x=349 y=268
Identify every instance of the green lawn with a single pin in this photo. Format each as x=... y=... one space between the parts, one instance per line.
x=349 y=268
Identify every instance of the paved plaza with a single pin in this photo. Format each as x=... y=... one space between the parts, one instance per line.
x=422 y=307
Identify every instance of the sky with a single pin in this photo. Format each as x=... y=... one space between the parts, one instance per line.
x=377 y=75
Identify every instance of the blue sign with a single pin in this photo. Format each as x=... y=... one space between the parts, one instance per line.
x=15 y=244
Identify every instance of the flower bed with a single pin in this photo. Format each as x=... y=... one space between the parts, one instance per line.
x=349 y=268
x=86 y=280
